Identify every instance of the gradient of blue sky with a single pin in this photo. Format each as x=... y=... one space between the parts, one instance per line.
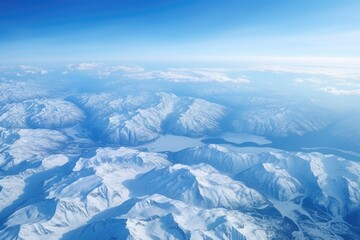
x=42 y=30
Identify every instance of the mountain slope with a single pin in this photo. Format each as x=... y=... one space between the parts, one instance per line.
x=40 y=113
x=222 y=158
x=70 y=198
x=138 y=119
x=199 y=185
x=158 y=217
x=274 y=181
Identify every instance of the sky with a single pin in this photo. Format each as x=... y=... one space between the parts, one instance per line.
x=179 y=30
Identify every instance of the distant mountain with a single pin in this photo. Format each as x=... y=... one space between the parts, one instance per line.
x=347 y=130
x=280 y=117
x=16 y=91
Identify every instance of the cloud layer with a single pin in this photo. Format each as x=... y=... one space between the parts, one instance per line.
x=328 y=78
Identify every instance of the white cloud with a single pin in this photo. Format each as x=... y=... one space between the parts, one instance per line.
x=83 y=66
x=349 y=72
x=190 y=75
x=6 y=67
x=145 y=75
x=219 y=77
x=348 y=75
x=316 y=81
x=336 y=91
x=173 y=75
x=102 y=70
x=107 y=71
x=31 y=70
x=125 y=68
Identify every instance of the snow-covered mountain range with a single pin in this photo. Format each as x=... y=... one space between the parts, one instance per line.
x=86 y=166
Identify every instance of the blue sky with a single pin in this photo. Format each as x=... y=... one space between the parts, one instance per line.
x=65 y=30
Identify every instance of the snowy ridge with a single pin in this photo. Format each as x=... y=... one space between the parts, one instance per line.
x=159 y=217
x=11 y=188
x=15 y=91
x=339 y=181
x=26 y=146
x=196 y=118
x=40 y=113
x=142 y=118
x=199 y=185
x=274 y=181
x=110 y=188
x=124 y=157
x=95 y=185
x=221 y=158
x=327 y=185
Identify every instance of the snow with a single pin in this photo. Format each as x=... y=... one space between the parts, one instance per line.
x=338 y=179
x=199 y=185
x=197 y=118
x=132 y=164
x=220 y=157
x=96 y=184
x=40 y=113
x=139 y=119
x=54 y=161
x=15 y=91
x=140 y=194
x=125 y=157
x=272 y=180
x=159 y=217
x=28 y=145
x=11 y=187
